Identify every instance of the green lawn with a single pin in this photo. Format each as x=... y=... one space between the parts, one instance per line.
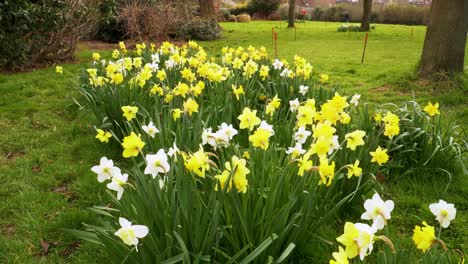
x=47 y=146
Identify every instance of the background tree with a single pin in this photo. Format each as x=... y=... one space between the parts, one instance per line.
x=291 y=17
x=444 y=45
x=366 y=14
x=207 y=8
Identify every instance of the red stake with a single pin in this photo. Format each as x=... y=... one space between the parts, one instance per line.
x=364 y=50
x=276 y=44
x=272 y=36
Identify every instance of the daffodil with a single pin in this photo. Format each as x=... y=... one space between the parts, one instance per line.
x=303 y=89
x=103 y=136
x=190 y=106
x=444 y=212
x=198 y=163
x=379 y=155
x=129 y=233
x=424 y=237
x=264 y=72
x=129 y=112
x=105 y=170
x=354 y=169
x=59 y=69
x=358 y=239
x=237 y=91
x=324 y=78
x=293 y=105
x=378 y=211
x=432 y=109
x=260 y=138
x=355 y=139
x=248 y=119
x=326 y=171
x=301 y=135
x=176 y=113
x=157 y=163
x=340 y=257
x=273 y=105
x=117 y=184
x=161 y=75
x=132 y=145
x=237 y=171
x=305 y=163
x=96 y=56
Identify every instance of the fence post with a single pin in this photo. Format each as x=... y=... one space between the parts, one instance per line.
x=364 y=50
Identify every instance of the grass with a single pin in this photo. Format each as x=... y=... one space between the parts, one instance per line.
x=46 y=146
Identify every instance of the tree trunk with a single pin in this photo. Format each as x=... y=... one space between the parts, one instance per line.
x=444 y=45
x=207 y=8
x=366 y=13
x=291 y=17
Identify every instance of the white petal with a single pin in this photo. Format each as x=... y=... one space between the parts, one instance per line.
x=124 y=222
x=140 y=230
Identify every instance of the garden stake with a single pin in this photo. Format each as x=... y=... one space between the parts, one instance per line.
x=272 y=36
x=412 y=32
x=276 y=44
x=295 y=33
x=364 y=50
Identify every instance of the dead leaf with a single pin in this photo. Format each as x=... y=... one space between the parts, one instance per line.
x=36 y=168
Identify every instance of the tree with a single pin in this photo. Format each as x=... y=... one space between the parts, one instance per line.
x=366 y=13
x=264 y=7
x=207 y=8
x=292 y=5
x=445 y=41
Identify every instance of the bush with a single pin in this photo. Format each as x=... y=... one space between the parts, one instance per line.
x=352 y=27
x=387 y=14
x=200 y=29
x=232 y=18
x=35 y=32
x=243 y=18
x=264 y=7
x=240 y=9
x=143 y=20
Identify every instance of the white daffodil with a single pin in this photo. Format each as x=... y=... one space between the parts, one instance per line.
x=295 y=151
x=173 y=151
x=155 y=57
x=268 y=127
x=444 y=212
x=277 y=64
x=170 y=63
x=355 y=99
x=365 y=239
x=131 y=233
x=153 y=66
x=293 y=105
x=378 y=210
x=208 y=137
x=156 y=164
x=105 y=170
x=301 y=135
x=227 y=130
x=285 y=72
x=303 y=89
x=117 y=184
x=150 y=129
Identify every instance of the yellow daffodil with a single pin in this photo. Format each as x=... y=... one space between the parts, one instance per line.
x=132 y=145
x=424 y=237
x=432 y=109
x=379 y=155
x=354 y=170
x=355 y=139
x=237 y=170
x=103 y=136
x=264 y=72
x=176 y=113
x=117 y=78
x=129 y=112
x=237 y=91
x=198 y=163
x=190 y=106
x=340 y=257
x=326 y=171
x=324 y=78
x=248 y=119
x=115 y=54
x=59 y=69
x=273 y=105
x=96 y=56
x=260 y=138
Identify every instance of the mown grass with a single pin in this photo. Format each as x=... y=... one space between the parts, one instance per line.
x=47 y=147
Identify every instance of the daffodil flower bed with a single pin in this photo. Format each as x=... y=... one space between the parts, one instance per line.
x=239 y=160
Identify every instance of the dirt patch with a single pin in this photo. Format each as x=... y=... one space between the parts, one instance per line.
x=14 y=154
x=387 y=88
x=8 y=230
x=65 y=190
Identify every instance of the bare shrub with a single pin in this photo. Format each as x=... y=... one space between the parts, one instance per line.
x=243 y=18
x=145 y=20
